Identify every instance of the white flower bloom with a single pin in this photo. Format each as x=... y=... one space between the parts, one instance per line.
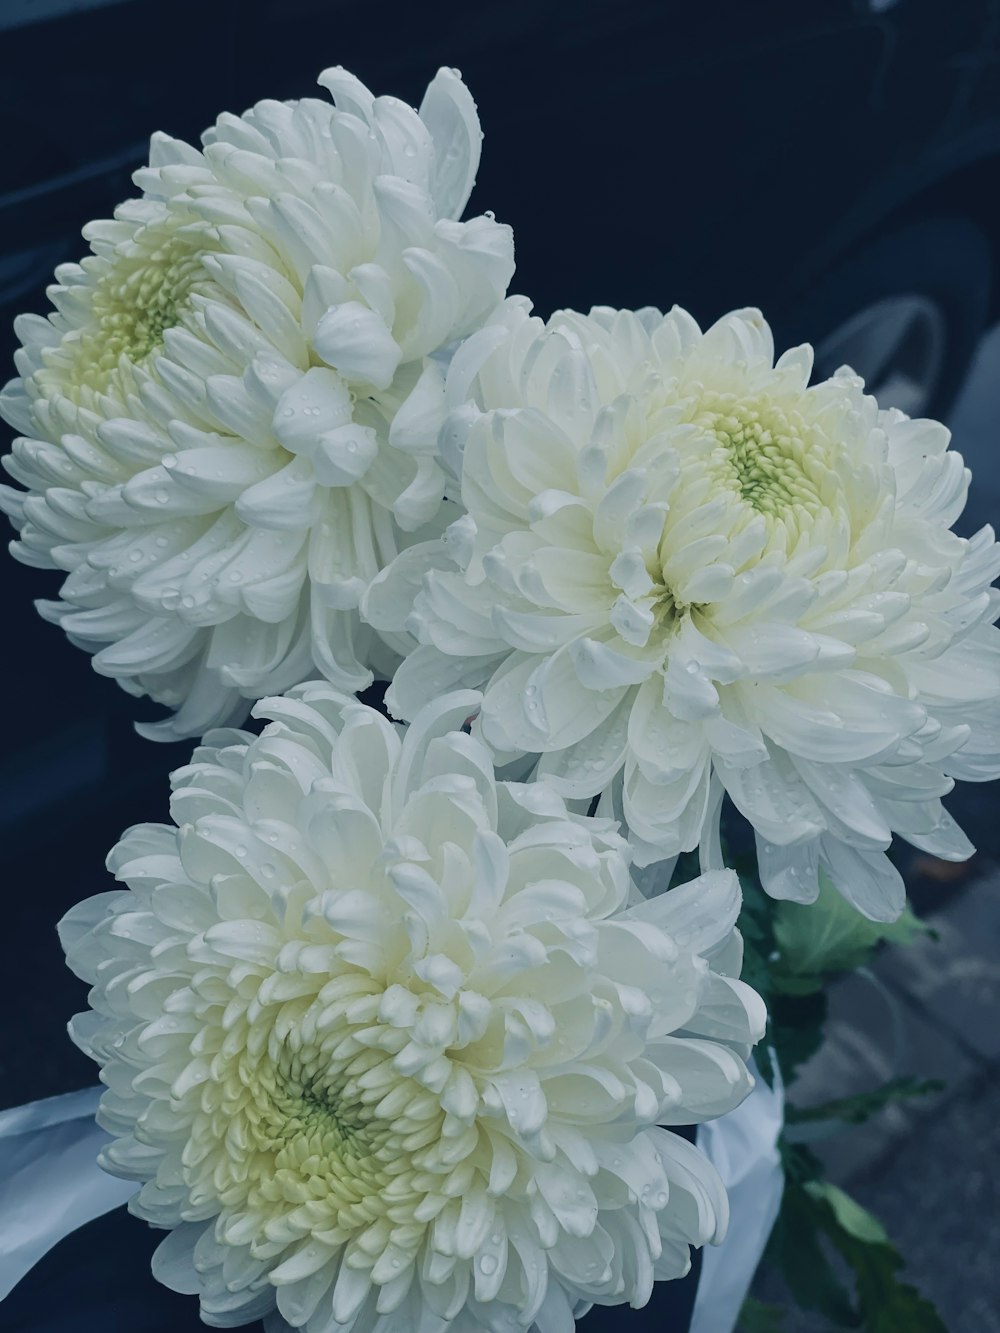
x=682 y=572
x=387 y=1044
x=229 y=424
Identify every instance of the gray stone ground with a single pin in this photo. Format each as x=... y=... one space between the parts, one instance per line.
x=931 y=1172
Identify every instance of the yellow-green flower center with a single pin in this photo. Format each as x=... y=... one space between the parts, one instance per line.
x=133 y=306
x=665 y=609
x=316 y=1139
x=317 y=1132
x=765 y=451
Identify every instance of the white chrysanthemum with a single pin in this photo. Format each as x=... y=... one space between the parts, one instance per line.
x=683 y=571
x=387 y=1044
x=229 y=425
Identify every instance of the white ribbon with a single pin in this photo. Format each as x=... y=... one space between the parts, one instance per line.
x=50 y=1182
x=743 y=1149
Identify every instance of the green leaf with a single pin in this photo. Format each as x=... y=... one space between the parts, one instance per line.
x=855 y=1220
x=796 y=1030
x=756 y=970
x=756 y=914
x=787 y=984
x=759 y=1317
x=830 y=935
x=861 y=1107
x=814 y=1210
x=796 y=1246
x=799 y=1162
x=885 y=1304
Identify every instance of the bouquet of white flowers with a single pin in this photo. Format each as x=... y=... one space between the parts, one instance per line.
x=399 y=1018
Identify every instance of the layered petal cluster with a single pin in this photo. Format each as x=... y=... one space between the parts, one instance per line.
x=684 y=572
x=229 y=424
x=387 y=1044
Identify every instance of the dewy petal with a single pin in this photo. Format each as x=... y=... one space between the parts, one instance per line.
x=699 y=915
x=383 y=1043
x=320 y=401
x=778 y=806
x=355 y=341
x=868 y=880
x=449 y=113
x=343 y=456
x=427 y=673
x=789 y=872
x=594 y=759
x=232 y=422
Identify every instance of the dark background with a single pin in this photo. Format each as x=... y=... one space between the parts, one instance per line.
x=811 y=158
